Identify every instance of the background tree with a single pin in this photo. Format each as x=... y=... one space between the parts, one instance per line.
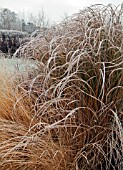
x=42 y=20
x=9 y=20
x=23 y=25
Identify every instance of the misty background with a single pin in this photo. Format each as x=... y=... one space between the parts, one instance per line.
x=54 y=10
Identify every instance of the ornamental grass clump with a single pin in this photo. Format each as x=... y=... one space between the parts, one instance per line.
x=73 y=113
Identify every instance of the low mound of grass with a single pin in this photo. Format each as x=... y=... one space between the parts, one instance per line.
x=69 y=115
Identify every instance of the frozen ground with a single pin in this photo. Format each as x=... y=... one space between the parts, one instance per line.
x=15 y=65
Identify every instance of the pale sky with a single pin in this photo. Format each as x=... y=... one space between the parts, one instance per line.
x=54 y=9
